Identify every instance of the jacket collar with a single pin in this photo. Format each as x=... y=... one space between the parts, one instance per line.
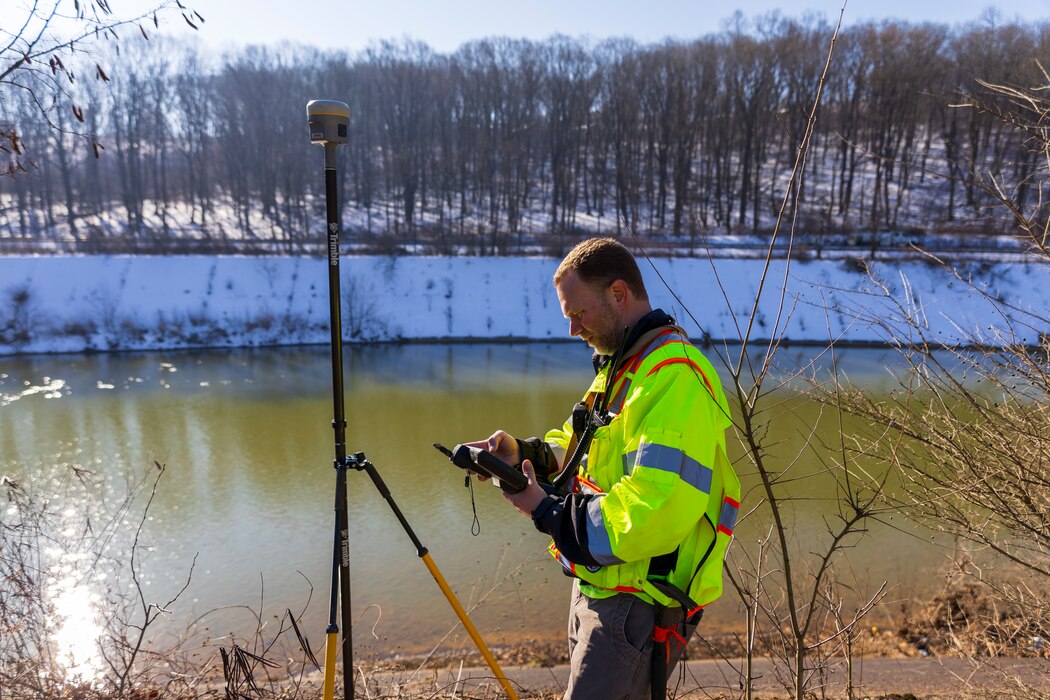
x=641 y=332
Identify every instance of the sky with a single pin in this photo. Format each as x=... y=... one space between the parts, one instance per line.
x=446 y=24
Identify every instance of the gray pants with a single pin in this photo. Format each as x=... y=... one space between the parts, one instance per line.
x=611 y=646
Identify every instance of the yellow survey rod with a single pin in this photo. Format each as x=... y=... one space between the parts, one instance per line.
x=471 y=630
x=330 y=648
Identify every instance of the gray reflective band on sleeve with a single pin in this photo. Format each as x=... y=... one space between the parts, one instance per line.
x=598 y=537
x=559 y=453
x=727 y=518
x=677 y=462
x=628 y=462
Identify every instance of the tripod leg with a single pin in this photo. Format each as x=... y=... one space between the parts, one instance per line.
x=330 y=648
x=469 y=626
x=362 y=463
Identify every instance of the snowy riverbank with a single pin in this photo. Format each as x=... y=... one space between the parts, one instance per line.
x=98 y=303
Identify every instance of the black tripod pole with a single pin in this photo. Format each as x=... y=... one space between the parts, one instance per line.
x=329 y=122
x=341 y=556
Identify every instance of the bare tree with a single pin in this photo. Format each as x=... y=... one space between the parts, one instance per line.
x=40 y=57
x=792 y=594
x=621 y=130
x=195 y=108
x=570 y=88
x=513 y=141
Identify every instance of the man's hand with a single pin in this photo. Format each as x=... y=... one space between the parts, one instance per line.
x=499 y=444
x=527 y=500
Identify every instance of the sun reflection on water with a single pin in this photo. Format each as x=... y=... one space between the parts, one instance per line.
x=51 y=389
x=78 y=628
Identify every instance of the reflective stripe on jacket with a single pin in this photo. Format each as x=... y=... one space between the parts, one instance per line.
x=659 y=472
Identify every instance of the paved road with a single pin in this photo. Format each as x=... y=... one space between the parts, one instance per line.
x=873 y=678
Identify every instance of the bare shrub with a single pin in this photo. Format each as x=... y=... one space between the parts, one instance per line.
x=793 y=595
x=968 y=426
x=59 y=639
x=18 y=316
x=361 y=319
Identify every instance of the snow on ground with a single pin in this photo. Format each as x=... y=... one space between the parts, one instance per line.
x=73 y=304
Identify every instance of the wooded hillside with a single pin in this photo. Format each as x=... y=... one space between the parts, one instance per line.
x=506 y=142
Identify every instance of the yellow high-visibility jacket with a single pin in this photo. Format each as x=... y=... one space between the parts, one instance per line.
x=658 y=476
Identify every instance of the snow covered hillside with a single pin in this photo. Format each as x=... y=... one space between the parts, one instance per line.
x=98 y=303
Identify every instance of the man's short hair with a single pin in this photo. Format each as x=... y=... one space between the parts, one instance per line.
x=600 y=262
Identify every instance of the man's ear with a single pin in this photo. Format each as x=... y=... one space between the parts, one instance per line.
x=619 y=291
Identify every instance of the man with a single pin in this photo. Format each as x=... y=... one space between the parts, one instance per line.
x=645 y=502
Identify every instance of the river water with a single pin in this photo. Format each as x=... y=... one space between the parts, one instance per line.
x=244 y=508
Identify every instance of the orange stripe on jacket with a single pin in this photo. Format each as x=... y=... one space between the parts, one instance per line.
x=686 y=361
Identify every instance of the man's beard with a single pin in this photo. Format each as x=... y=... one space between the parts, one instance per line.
x=606 y=340
x=604 y=345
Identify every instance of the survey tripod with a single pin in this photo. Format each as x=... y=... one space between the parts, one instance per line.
x=329 y=126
